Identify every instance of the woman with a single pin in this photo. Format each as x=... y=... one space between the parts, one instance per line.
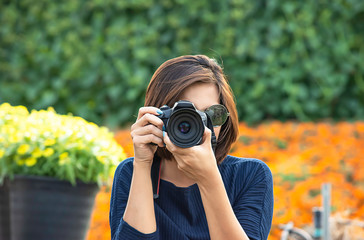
x=203 y=193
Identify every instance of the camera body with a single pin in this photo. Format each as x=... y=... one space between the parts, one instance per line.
x=185 y=124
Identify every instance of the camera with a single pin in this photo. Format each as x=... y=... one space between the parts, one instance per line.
x=185 y=124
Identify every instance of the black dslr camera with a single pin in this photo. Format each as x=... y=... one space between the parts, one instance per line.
x=185 y=124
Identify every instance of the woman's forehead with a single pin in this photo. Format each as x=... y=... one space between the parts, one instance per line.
x=202 y=95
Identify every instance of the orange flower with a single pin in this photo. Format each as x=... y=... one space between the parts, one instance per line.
x=301 y=156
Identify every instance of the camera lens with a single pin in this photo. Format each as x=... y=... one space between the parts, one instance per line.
x=184 y=127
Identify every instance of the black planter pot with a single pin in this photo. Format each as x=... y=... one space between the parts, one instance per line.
x=42 y=208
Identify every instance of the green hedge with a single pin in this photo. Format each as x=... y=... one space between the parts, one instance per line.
x=285 y=59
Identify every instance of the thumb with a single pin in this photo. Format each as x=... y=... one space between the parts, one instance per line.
x=207 y=136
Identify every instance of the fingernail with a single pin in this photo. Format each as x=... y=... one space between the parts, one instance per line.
x=164 y=133
x=159 y=112
x=164 y=128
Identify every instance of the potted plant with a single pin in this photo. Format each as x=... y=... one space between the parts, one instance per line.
x=51 y=167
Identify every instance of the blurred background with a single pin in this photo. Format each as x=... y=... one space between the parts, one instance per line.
x=296 y=69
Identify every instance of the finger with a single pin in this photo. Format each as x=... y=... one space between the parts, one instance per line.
x=148 y=139
x=207 y=136
x=148 y=129
x=147 y=119
x=145 y=110
x=169 y=145
x=172 y=147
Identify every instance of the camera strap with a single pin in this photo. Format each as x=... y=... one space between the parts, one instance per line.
x=157 y=163
x=213 y=136
x=156 y=175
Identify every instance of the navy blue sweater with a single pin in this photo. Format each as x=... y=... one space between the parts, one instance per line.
x=180 y=213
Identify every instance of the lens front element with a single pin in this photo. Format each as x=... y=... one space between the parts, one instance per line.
x=185 y=128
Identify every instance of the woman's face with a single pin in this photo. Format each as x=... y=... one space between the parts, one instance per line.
x=202 y=95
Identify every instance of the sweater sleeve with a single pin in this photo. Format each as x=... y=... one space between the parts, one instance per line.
x=121 y=230
x=253 y=206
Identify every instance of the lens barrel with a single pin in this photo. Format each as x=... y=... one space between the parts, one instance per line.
x=185 y=127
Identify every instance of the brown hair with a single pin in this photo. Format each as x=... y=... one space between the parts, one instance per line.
x=175 y=75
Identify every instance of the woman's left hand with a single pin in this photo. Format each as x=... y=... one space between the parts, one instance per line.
x=197 y=162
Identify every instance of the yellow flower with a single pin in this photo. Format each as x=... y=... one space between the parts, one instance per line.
x=23 y=149
x=2 y=153
x=64 y=155
x=49 y=142
x=21 y=110
x=112 y=171
x=30 y=161
x=102 y=159
x=48 y=152
x=37 y=153
x=19 y=161
x=64 y=158
x=14 y=138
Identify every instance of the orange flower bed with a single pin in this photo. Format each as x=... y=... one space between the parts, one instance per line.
x=301 y=156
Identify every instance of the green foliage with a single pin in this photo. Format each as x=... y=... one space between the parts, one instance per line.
x=284 y=59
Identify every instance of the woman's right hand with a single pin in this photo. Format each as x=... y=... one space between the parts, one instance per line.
x=147 y=135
